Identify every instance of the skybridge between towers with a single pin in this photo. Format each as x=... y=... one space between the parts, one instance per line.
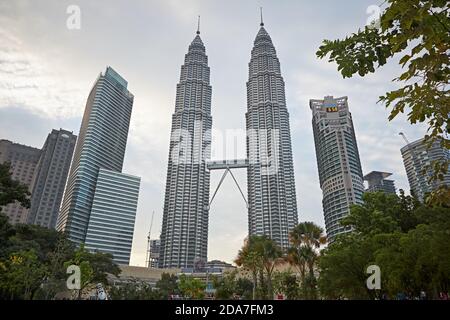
x=227 y=165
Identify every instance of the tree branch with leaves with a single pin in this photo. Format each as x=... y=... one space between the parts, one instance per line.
x=418 y=31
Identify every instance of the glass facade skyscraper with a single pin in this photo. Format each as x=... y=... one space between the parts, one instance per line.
x=111 y=222
x=101 y=145
x=270 y=175
x=340 y=173
x=184 y=235
x=417 y=157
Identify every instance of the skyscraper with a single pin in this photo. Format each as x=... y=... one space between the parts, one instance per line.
x=153 y=254
x=416 y=157
x=377 y=182
x=50 y=178
x=96 y=168
x=23 y=160
x=111 y=223
x=338 y=161
x=184 y=235
x=271 y=186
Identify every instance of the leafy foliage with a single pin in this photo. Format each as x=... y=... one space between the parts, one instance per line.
x=260 y=255
x=419 y=31
x=230 y=286
x=12 y=190
x=286 y=283
x=191 y=288
x=168 y=285
x=134 y=290
x=21 y=274
x=406 y=239
x=305 y=239
x=33 y=262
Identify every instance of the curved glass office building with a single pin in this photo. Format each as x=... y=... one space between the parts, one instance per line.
x=100 y=149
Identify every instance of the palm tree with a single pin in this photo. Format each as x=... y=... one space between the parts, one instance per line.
x=307 y=233
x=271 y=255
x=260 y=255
x=305 y=239
x=250 y=260
x=297 y=257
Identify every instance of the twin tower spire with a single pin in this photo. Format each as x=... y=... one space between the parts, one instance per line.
x=272 y=205
x=261 y=24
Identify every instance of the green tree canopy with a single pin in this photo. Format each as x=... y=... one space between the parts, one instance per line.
x=191 y=288
x=34 y=260
x=21 y=275
x=134 y=290
x=12 y=190
x=260 y=255
x=168 y=285
x=406 y=239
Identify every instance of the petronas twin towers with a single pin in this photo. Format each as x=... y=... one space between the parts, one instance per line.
x=272 y=204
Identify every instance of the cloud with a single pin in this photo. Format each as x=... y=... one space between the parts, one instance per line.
x=46 y=72
x=28 y=80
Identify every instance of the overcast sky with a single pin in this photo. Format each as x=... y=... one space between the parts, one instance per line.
x=47 y=71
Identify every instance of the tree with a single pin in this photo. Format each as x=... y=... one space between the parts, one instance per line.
x=21 y=275
x=342 y=268
x=168 y=285
x=56 y=280
x=420 y=32
x=406 y=239
x=260 y=255
x=41 y=239
x=230 y=286
x=34 y=260
x=6 y=231
x=418 y=259
x=225 y=286
x=134 y=290
x=286 y=283
x=305 y=239
x=244 y=288
x=191 y=288
x=81 y=259
x=251 y=260
x=44 y=244
x=270 y=254
x=12 y=190
x=94 y=267
x=102 y=264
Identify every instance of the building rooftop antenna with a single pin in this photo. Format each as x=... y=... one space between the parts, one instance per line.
x=198 y=25
x=262 y=22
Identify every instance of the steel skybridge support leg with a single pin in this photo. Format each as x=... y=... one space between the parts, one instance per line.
x=237 y=184
x=218 y=186
x=220 y=183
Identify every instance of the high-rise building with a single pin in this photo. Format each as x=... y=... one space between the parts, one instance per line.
x=50 y=178
x=97 y=164
x=377 y=181
x=111 y=223
x=184 y=235
x=417 y=156
x=338 y=162
x=270 y=175
x=153 y=254
x=23 y=160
